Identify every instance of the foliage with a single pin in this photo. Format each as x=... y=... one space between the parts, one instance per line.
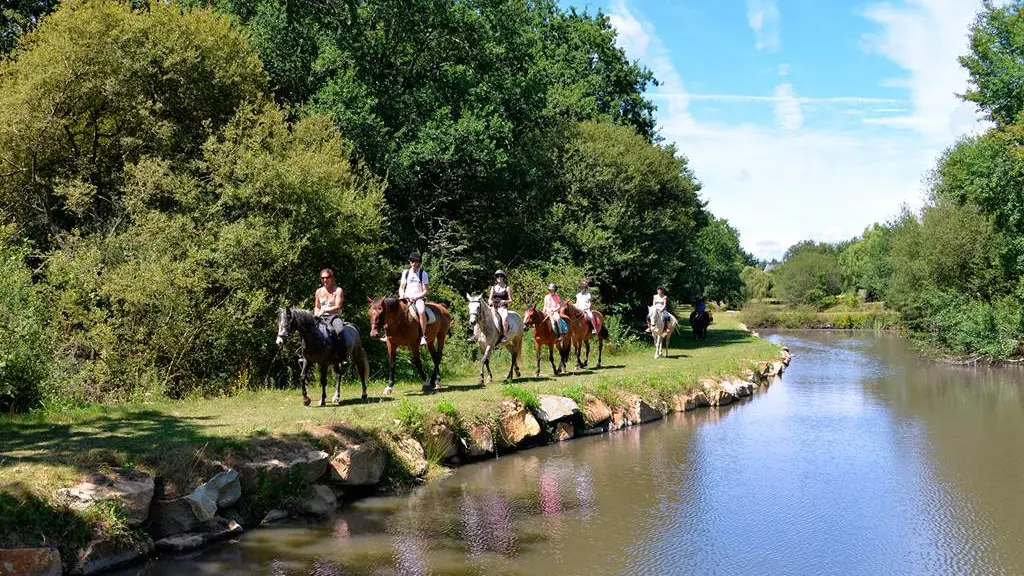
x=722 y=262
x=527 y=397
x=25 y=339
x=757 y=284
x=411 y=417
x=995 y=64
x=809 y=273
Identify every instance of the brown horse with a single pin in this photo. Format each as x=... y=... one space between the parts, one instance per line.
x=543 y=334
x=580 y=332
x=699 y=321
x=403 y=331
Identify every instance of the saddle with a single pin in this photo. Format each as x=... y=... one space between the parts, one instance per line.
x=429 y=313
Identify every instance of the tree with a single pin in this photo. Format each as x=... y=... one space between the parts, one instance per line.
x=19 y=17
x=865 y=261
x=995 y=63
x=808 y=274
x=719 y=248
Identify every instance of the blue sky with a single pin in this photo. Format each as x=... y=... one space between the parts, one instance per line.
x=804 y=118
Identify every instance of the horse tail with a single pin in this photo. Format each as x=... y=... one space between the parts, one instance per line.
x=603 y=333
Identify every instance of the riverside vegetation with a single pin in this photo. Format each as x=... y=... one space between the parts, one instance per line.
x=270 y=452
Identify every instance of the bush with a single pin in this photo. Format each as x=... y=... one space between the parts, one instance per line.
x=25 y=356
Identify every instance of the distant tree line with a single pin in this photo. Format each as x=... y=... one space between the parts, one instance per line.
x=172 y=172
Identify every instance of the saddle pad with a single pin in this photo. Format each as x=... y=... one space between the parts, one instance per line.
x=431 y=316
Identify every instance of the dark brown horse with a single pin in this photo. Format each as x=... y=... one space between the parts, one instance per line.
x=699 y=321
x=580 y=332
x=543 y=334
x=403 y=331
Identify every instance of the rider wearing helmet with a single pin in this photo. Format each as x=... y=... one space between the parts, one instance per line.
x=327 y=302
x=413 y=287
x=660 y=303
x=553 y=307
x=583 y=303
x=500 y=299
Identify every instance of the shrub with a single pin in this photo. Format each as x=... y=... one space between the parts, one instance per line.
x=25 y=356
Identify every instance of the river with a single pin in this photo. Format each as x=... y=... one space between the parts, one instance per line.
x=864 y=459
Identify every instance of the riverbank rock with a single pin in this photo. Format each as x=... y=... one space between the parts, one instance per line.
x=554 y=408
x=281 y=462
x=684 y=402
x=716 y=395
x=408 y=451
x=102 y=555
x=31 y=562
x=358 y=464
x=132 y=489
x=319 y=501
x=480 y=441
x=638 y=411
x=516 y=423
x=786 y=355
x=221 y=491
x=595 y=411
x=172 y=517
x=220 y=529
x=276 y=515
x=737 y=388
x=442 y=440
x=563 y=431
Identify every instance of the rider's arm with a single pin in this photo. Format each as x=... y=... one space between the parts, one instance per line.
x=316 y=302
x=508 y=296
x=426 y=285
x=338 y=301
x=401 y=286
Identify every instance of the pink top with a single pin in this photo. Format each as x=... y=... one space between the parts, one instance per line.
x=552 y=304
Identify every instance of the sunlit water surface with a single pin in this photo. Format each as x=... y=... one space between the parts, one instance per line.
x=863 y=460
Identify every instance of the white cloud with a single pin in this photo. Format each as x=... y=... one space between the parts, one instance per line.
x=764 y=19
x=787 y=108
x=779 y=184
x=924 y=38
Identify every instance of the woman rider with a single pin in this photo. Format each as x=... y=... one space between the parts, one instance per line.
x=327 y=302
x=414 y=286
x=660 y=303
x=500 y=299
x=553 y=307
x=583 y=303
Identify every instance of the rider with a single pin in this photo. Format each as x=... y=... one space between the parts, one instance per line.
x=702 y=306
x=660 y=303
x=583 y=303
x=413 y=287
x=328 y=300
x=553 y=307
x=500 y=299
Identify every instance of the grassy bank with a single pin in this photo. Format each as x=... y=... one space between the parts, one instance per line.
x=41 y=453
x=870 y=316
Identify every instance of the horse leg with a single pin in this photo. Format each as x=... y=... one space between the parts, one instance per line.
x=362 y=366
x=303 y=375
x=483 y=364
x=537 y=349
x=586 y=360
x=516 y=352
x=337 y=384
x=600 y=350
x=323 y=385
x=391 y=369
x=436 y=351
x=417 y=362
x=487 y=364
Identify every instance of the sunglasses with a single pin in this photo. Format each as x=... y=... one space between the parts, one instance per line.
x=326 y=277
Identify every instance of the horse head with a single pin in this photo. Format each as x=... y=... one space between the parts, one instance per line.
x=652 y=315
x=529 y=317
x=474 y=308
x=376 y=316
x=284 y=324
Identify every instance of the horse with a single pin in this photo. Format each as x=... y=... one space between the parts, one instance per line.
x=543 y=334
x=661 y=330
x=402 y=330
x=580 y=332
x=317 y=348
x=699 y=321
x=487 y=333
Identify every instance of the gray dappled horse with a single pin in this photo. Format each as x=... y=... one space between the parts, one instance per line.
x=661 y=330
x=483 y=318
x=317 y=348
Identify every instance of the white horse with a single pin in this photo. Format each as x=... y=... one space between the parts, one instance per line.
x=484 y=320
x=660 y=329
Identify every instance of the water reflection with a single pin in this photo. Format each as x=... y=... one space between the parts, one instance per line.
x=864 y=459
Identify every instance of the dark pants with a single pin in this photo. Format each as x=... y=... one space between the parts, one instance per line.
x=337 y=326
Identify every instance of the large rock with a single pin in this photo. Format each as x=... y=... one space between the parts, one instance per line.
x=442 y=439
x=310 y=466
x=786 y=355
x=516 y=423
x=555 y=408
x=319 y=501
x=132 y=489
x=30 y=562
x=358 y=464
x=102 y=555
x=409 y=453
x=684 y=402
x=480 y=441
x=638 y=411
x=563 y=431
x=302 y=462
x=219 y=530
x=619 y=419
x=737 y=388
x=172 y=517
x=221 y=491
x=595 y=410
x=715 y=394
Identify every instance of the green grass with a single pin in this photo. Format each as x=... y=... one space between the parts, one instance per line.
x=870 y=316
x=40 y=453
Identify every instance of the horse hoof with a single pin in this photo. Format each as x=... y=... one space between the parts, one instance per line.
x=306 y=400
x=322 y=403
x=336 y=399
x=387 y=391
x=364 y=397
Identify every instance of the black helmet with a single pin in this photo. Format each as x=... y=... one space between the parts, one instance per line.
x=584 y=284
x=552 y=286
x=414 y=257
x=499 y=272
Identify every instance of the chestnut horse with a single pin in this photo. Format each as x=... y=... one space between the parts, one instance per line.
x=543 y=334
x=579 y=332
x=402 y=330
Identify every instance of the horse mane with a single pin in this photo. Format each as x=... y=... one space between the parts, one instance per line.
x=302 y=318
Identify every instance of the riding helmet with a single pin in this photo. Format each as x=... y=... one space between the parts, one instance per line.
x=499 y=273
x=552 y=286
x=414 y=257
